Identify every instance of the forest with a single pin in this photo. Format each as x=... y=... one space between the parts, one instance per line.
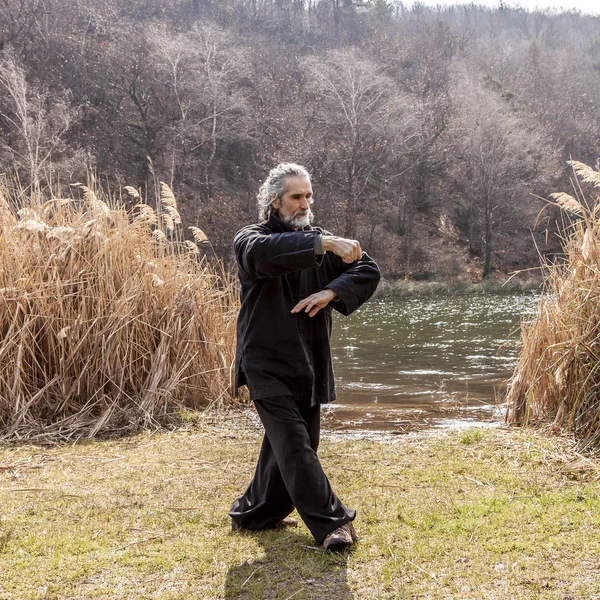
x=434 y=135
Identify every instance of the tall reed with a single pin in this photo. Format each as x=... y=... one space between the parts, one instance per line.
x=109 y=319
x=557 y=378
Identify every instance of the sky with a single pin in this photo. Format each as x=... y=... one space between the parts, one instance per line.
x=591 y=7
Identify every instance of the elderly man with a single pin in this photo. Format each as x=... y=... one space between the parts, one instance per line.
x=292 y=275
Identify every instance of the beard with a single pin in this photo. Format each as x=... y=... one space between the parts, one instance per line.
x=299 y=219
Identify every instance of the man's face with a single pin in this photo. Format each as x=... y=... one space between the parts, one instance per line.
x=294 y=206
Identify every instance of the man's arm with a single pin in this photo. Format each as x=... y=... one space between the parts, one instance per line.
x=355 y=284
x=274 y=254
x=357 y=280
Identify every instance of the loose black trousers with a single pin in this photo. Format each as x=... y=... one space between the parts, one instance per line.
x=289 y=474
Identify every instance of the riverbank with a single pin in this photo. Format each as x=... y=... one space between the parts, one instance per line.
x=478 y=513
x=402 y=289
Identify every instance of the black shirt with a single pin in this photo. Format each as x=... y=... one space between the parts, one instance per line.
x=280 y=353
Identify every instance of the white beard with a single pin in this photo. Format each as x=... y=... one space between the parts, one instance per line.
x=298 y=220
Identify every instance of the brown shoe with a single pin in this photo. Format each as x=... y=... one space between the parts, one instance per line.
x=341 y=538
x=285 y=522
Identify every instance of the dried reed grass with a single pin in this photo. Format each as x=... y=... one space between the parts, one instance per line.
x=109 y=319
x=557 y=377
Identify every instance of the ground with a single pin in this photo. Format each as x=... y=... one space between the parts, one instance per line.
x=479 y=513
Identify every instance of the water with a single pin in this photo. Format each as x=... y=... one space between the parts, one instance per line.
x=406 y=365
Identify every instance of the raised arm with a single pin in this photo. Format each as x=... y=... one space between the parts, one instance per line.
x=261 y=254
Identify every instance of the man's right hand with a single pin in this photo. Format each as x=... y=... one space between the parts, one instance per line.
x=347 y=250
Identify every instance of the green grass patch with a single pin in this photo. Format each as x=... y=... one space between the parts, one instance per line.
x=481 y=513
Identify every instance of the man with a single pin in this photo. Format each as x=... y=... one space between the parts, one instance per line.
x=292 y=275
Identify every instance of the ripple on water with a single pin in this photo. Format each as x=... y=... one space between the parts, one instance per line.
x=407 y=354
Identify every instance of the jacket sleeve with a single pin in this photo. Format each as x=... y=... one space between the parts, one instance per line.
x=261 y=254
x=354 y=284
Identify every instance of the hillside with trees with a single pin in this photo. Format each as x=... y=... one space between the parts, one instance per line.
x=432 y=134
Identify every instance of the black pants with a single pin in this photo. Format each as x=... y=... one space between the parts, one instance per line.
x=289 y=474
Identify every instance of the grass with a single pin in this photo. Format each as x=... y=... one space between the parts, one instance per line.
x=480 y=513
x=557 y=376
x=109 y=318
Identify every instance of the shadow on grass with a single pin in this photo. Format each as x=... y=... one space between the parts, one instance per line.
x=292 y=567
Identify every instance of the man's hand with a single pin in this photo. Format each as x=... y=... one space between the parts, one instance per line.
x=315 y=302
x=348 y=250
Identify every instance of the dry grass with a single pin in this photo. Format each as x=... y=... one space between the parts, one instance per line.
x=109 y=319
x=558 y=374
x=479 y=514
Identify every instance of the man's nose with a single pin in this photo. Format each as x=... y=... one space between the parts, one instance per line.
x=304 y=204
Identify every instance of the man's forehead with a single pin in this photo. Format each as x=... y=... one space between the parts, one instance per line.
x=297 y=183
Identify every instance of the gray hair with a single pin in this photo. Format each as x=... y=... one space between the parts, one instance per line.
x=274 y=187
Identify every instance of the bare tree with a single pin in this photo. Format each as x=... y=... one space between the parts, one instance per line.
x=203 y=71
x=216 y=92
x=499 y=156
x=359 y=118
x=35 y=122
x=18 y=22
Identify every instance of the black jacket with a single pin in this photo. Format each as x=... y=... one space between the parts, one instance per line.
x=280 y=353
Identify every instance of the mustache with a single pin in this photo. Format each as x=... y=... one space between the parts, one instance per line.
x=300 y=216
x=302 y=213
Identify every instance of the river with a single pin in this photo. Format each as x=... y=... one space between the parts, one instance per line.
x=406 y=365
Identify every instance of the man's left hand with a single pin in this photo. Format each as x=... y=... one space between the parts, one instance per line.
x=315 y=302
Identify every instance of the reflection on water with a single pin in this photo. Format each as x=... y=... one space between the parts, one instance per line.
x=425 y=362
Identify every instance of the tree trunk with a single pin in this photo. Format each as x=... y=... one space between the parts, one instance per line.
x=213 y=153
x=487 y=266
x=372 y=234
x=350 y=227
x=408 y=237
x=336 y=16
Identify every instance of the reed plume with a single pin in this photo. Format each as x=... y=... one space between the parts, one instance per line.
x=108 y=322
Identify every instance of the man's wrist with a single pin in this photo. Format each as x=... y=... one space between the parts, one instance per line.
x=334 y=295
x=326 y=242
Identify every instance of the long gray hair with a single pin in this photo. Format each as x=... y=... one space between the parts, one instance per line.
x=274 y=187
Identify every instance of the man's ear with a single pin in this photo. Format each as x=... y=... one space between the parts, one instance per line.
x=275 y=203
